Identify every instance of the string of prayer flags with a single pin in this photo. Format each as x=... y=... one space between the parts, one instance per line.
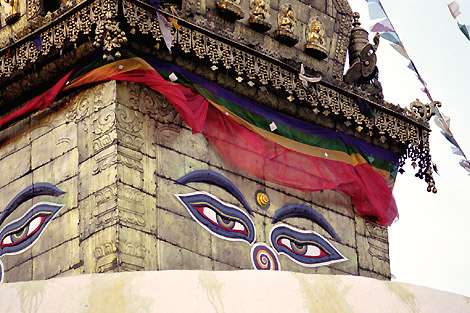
x=387 y=31
x=454 y=9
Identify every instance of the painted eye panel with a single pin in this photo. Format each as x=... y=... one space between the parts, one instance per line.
x=306 y=248
x=20 y=234
x=222 y=219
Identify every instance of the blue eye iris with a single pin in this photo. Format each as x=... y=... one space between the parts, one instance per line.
x=305 y=248
x=222 y=219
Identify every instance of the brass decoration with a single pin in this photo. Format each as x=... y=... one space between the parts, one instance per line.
x=423 y=111
x=230 y=9
x=316 y=41
x=262 y=199
x=259 y=13
x=286 y=24
x=9 y=11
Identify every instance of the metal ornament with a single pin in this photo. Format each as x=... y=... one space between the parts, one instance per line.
x=262 y=199
x=316 y=41
x=259 y=13
x=286 y=24
x=230 y=9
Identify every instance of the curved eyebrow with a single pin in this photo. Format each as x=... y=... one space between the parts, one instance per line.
x=32 y=191
x=303 y=211
x=216 y=179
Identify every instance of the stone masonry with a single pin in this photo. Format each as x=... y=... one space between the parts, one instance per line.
x=116 y=149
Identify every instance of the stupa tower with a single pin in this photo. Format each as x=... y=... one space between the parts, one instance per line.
x=196 y=135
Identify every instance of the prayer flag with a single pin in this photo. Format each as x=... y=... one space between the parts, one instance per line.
x=465 y=164
x=400 y=49
x=465 y=30
x=454 y=9
x=376 y=11
x=392 y=37
x=457 y=151
x=412 y=67
x=165 y=28
x=382 y=26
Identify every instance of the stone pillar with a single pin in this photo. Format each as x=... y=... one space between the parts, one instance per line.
x=117 y=187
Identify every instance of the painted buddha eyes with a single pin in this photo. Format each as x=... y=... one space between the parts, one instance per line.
x=220 y=218
x=229 y=222
x=22 y=233
x=306 y=248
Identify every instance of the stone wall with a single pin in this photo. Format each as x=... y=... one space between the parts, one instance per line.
x=116 y=150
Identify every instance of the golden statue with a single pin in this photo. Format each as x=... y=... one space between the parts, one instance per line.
x=316 y=42
x=259 y=13
x=10 y=10
x=286 y=22
x=230 y=9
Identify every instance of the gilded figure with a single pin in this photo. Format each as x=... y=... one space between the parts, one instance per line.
x=316 y=41
x=286 y=21
x=230 y=9
x=10 y=11
x=259 y=13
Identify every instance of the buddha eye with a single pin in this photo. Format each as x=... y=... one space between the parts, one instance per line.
x=20 y=234
x=306 y=248
x=222 y=219
x=24 y=233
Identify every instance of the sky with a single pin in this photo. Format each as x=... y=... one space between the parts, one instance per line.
x=430 y=243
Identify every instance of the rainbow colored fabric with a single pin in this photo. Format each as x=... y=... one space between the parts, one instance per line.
x=259 y=141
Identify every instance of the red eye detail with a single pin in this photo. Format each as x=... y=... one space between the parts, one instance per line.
x=308 y=250
x=220 y=221
x=32 y=227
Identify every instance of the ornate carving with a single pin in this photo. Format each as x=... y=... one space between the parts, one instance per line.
x=58 y=33
x=129 y=128
x=286 y=24
x=104 y=162
x=423 y=111
x=259 y=13
x=130 y=159
x=316 y=41
x=106 y=255
x=85 y=103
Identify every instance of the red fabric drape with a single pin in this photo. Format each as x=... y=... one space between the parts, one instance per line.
x=38 y=103
x=269 y=161
x=246 y=150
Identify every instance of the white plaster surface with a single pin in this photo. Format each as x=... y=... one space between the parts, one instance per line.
x=224 y=292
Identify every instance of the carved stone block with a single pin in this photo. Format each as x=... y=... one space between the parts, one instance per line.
x=15 y=165
x=57 y=260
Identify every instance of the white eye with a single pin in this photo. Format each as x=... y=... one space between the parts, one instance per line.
x=35 y=224
x=7 y=240
x=285 y=242
x=238 y=226
x=210 y=214
x=313 y=251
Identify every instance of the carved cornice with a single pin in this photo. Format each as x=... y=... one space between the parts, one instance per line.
x=103 y=21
